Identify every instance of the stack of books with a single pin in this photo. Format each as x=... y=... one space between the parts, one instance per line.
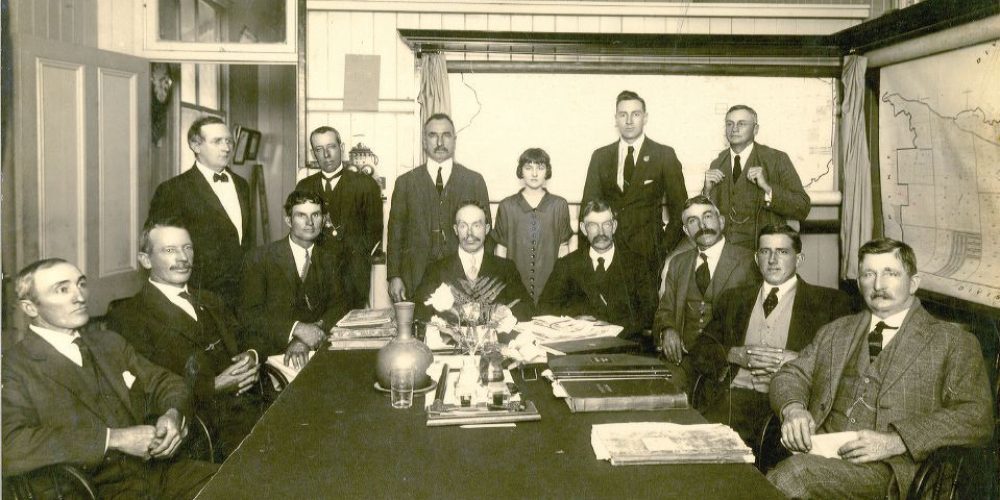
x=363 y=329
x=666 y=443
x=614 y=382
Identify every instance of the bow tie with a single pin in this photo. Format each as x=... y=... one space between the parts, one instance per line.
x=220 y=177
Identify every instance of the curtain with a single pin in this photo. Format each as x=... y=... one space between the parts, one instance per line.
x=856 y=208
x=434 y=94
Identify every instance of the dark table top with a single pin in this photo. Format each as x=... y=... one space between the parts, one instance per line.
x=332 y=435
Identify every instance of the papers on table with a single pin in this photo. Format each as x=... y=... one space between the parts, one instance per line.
x=554 y=328
x=667 y=443
x=278 y=362
x=826 y=445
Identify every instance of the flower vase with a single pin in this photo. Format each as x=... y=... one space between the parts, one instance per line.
x=404 y=351
x=468 y=381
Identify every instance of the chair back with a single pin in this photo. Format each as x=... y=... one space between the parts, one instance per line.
x=61 y=481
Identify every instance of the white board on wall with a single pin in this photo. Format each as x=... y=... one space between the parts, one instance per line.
x=499 y=115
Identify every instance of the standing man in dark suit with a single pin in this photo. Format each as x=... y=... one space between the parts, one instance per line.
x=695 y=278
x=906 y=382
x=753 y=185
x=604 y=281
x=637 y=176
x=214 y=204
x=292 y=293
x=424 y=202
x=85 y=397
x=470 y=262
x=193 y=334
x=757 y=329
x=354 y=212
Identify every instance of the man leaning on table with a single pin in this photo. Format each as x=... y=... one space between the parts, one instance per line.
x=85 y=397
x=756 y=329
x=292 y=292
x=906 y=382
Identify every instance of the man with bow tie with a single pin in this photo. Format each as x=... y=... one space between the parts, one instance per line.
x=637 y=177
x=904 y=381
x=753 y=185
x=86 y=397
x=214 y=205
x=758 y=328
x=354 y=211
x=193 y=334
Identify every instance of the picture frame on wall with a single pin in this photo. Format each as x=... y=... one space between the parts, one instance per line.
x=247 y=144
x=254 y=145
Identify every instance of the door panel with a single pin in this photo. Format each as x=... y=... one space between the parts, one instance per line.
x=81 y=141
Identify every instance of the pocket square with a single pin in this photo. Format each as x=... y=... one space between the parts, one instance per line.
x=647 y=181
x=129 y=378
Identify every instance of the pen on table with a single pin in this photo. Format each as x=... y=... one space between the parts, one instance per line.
x=486 y=426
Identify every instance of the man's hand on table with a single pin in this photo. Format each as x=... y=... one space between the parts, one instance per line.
x=297 y=354
x=239 y=376
x=872 y=446
x=311 y=334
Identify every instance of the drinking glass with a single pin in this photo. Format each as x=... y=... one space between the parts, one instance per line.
x=401 y=389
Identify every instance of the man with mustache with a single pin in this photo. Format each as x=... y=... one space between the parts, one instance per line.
x=695 y=278
x=756 y=329
x=193 y=334
x=214 y=204
x=904 y=381
x=604 y=281
x=637 y=177
x=424 y=202
x=753 y=185
x=84 y=396
x=470 y=262
x=292 y=291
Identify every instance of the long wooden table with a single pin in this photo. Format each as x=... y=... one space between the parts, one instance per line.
x=332 y=435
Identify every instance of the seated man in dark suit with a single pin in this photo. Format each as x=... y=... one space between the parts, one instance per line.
x=607 y=282
x=85 y=397
x=191 y=333
x=292 y=293
x=756 y=329
x=471 y=262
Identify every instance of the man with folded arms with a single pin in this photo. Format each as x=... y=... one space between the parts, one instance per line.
x=757 y=329
x=85 y=397
x=603 y=280
x=695 y=278
x=193 y=334
x=905 y=382
x=292 y=292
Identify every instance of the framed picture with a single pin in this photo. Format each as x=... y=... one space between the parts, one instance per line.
x=247 y=143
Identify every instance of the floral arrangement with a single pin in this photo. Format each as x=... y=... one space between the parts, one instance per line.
x=467 y=312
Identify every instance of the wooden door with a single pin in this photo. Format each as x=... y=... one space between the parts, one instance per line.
x=81 y=144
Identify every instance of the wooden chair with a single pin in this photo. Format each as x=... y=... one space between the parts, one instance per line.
x=62 y=481
x=198 y=445
x=955 y=472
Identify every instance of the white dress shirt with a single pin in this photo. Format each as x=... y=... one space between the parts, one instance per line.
x=173 y=295
x=782 y=288
x=714 y=253
x=743 y=157
x=299 y=254
x=334 y=178
x=470 y=260
x=609 y=255
x=226 y=192
x=895 y=321
x=623 y=152
x=432 y=168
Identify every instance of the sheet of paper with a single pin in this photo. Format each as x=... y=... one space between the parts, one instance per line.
x=826 y=445
x=278 y=361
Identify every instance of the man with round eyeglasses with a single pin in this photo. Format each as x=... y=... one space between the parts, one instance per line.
x=758 y=328
x=603 y=281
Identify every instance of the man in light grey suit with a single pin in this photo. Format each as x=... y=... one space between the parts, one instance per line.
x=906 y=382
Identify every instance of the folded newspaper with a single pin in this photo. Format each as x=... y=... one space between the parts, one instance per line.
x=636 y=443
x=551 y=328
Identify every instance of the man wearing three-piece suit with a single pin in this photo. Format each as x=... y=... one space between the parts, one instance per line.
x=86 y=397
x=193 y=334
x=695 y=278
x=756 y=329
x=753 y=185
x=354 y=212
x=637 y=177
x=292 y=292
x=214 y=204
x=424 y=202
x=603 y=280
x=904 y=381
x=470 y=262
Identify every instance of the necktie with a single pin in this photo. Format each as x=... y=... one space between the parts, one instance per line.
x=771 y=301
x=220 y=177
x=473 y=272
x=86 y=355
x=439 y=184
x=328 y=181
x=305 y=267
x=701 y=275
x=875 y=340
x=601 y=270
x=736 y=168
x=187 y=296
x=629 y=166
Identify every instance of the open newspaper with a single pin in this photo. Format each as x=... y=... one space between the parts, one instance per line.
x=636 y=443
x=558 y=328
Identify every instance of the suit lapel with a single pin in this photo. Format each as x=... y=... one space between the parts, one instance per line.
x=204 y=191
x=643 y=158
x=745 y=306
x=686 y=265
x=609 y=169
x=63 y=372
x=723 y=270
x=801 y=309
x=841 y=349
x=912 y=338
x=115 y=380
x=167 y=313
x=286 y=262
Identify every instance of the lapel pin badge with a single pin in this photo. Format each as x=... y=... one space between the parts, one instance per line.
x=645 y=158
